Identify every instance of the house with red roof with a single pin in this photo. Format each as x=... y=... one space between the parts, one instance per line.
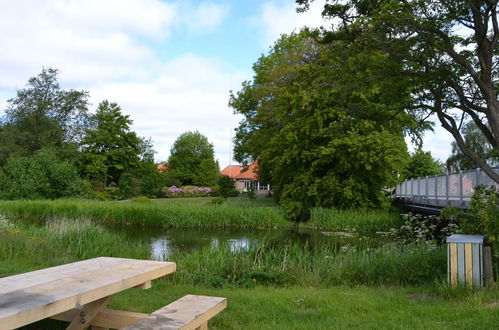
x=245 y=177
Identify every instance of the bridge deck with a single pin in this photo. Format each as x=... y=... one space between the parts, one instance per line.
x=453 y=189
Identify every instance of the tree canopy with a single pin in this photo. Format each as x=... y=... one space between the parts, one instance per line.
x=43 y=115
x=323 y=134
x=111 y=148
x=449 y=50
x=422 y=163
x=192 y=160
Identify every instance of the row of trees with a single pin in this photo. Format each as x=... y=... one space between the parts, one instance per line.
x=51 y=146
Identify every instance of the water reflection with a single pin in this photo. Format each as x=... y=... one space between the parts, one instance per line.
x=165 y=243
x=162 y=246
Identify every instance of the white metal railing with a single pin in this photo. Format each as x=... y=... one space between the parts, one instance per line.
x=453 y=189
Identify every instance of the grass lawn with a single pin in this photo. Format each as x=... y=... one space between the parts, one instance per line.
x=327 y=308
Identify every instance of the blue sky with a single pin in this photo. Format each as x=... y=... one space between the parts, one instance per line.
x=169 y=64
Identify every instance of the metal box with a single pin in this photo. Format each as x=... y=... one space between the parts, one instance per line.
x=465 y=260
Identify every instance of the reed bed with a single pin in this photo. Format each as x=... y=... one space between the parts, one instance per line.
x=303 y=266
x=353 y=220
x=169 y=215
x=61 y=241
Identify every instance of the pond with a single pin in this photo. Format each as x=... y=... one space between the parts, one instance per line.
x=167 y=242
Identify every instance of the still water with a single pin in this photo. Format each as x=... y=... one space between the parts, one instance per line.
x=167 y=242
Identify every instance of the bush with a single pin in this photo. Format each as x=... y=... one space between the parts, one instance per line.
x=42 y=175
x=227 y=188
x=484 y=218
x=420 y=228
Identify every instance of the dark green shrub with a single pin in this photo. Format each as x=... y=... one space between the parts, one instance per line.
x=227 y=188
x=42 y=175
x=484 y=218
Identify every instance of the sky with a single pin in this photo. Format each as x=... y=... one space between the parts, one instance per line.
x=170 y=65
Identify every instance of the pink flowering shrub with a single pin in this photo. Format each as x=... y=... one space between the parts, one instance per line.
x=174 y=191
x=188 y=191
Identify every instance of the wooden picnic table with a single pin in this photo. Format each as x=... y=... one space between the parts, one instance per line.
x=76 y=292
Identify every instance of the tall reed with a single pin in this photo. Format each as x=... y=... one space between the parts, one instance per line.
x=302 y=265
x=359 y=220
x=61 y=241
x=170 y=215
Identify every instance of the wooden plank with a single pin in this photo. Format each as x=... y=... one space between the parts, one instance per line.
x=453 y=264
x=189 y=312
x=468 y=260
x=107 y=318
x=34 y=278
x=53 y=294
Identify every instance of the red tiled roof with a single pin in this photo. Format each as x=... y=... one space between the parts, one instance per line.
x=249 y=174
x=161 y=167
x=232 y=171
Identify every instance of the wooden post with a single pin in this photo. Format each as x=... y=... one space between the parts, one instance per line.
x=487 y=265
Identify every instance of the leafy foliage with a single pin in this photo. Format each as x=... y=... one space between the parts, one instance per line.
x=422 y=164
x=42 y=175
x=449 y=50
x=322 y=125
x=484 y=218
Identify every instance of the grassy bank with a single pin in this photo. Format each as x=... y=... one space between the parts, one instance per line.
x=359 y=220
x=198 y=212
x=171 y=214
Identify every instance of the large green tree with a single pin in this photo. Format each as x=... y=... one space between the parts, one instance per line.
x=192 y=160
x=111 y=148
x=323 y=135
x=43 y=115
x=449 y=48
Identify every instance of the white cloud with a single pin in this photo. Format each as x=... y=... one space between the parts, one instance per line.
x=203 y=17
x=108 y=48
x=437 y=142
x=278 y=17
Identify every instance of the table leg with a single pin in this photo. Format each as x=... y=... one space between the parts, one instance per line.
x=84 y=318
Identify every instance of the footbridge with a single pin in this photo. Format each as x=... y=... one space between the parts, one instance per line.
x=432 y=193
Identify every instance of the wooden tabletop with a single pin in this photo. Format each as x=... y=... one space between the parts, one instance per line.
x=33 y=296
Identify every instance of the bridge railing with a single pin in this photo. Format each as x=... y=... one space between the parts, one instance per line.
x=453 y=189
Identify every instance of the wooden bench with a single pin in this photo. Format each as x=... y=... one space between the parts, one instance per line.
x=189 y=312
